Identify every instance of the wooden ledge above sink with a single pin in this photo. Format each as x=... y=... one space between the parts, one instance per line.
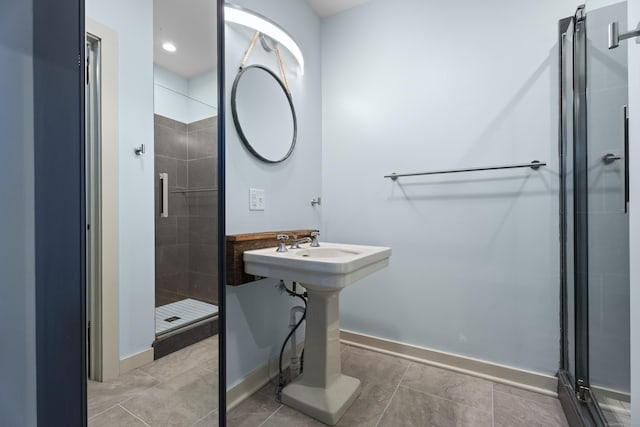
x=238 y=243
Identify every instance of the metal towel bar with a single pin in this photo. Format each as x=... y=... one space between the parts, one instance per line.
x=533 y=165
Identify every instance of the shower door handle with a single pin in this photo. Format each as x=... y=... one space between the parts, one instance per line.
x=625 y=111
x=164 y=195
x=610 y=158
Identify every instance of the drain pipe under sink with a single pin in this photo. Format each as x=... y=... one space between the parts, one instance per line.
x=295 y=360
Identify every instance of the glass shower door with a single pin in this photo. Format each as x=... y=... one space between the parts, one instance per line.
x=607 y=221
x=567 y=224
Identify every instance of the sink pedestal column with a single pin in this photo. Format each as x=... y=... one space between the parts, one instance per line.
x=322 y=391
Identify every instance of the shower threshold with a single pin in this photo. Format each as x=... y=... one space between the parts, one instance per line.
x=180 y=314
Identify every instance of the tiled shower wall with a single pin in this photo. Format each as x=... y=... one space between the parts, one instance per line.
x=186 y=248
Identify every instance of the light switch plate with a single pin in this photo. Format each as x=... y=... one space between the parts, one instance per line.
x=256 y=199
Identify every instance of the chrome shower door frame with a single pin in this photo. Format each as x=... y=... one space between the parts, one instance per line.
x=578 y=401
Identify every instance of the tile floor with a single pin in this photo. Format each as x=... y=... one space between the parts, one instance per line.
x=181 y=390
x=397 y=393
x=617 y=418
x=617 y=412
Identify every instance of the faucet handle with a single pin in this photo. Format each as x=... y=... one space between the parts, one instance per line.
x=314 y=239
x=282 y=247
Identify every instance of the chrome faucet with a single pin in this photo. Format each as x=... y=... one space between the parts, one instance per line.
x=282 y=247
x=314 y=239
x=295 y=244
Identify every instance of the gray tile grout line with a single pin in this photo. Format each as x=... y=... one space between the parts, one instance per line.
x=272 y=414
x=128 y=398
x=134 y=415
x=200 y=419
x=123 y=400
x=527 y=398
x=135 y=395
x=149 y=375
x=394 y=393
x=102 y=412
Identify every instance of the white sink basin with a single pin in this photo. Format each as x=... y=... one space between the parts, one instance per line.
x=331 y=266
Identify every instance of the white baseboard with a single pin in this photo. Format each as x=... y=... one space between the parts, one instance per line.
x=528 y=380
x=257 y=379
x=136 y=360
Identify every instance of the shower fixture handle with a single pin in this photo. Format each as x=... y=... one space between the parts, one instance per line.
x=610 y=158
x=615 y=36
x=282 y=247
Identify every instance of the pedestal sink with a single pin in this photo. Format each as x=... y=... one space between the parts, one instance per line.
x=321 y=391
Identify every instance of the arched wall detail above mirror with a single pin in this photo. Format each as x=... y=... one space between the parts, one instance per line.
x=248 y=18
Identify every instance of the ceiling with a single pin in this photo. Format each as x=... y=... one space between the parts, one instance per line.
x=191 y=26
x=326 y=8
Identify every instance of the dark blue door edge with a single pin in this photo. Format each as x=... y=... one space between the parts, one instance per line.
x=58 y=40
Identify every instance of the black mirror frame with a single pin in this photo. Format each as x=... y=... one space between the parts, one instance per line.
x=236 y=120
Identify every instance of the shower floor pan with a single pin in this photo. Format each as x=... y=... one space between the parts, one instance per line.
x=182 y=313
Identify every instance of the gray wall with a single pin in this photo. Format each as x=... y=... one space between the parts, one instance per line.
x=414 y=85
x=17 y=259
x=257 y=314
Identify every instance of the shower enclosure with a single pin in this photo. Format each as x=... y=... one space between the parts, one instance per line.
x=185 y=135
x=594 y=380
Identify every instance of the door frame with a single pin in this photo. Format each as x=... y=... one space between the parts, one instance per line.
x=106 y=322
x=578 y=401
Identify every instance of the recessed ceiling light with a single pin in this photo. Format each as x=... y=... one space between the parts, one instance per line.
x=169 y=47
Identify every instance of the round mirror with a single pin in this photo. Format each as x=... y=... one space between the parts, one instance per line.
x=263 y=114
